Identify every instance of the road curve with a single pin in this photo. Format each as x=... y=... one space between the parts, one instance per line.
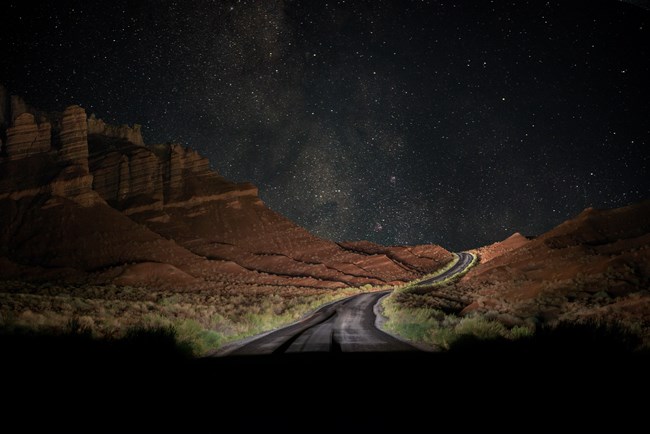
x=346 y=325
x=464 y=260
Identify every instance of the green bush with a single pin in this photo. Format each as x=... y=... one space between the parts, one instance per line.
x=480 y=328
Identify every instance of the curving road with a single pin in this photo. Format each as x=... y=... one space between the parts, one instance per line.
x=464 y=259
x=346 y=325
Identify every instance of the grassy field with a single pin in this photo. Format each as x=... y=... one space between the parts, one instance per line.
x=199 y=321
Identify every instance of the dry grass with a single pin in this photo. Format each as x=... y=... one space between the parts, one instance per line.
x=411 y=317
x=202 y=320
x=434 y=319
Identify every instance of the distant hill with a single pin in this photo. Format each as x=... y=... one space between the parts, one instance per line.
x=596 y=265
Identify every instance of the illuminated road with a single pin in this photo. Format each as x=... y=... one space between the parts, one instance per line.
x=344 y=326
x=464 y=260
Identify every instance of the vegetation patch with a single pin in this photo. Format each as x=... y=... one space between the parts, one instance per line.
x=199 y=322
x=409 y=317
x=436 y=328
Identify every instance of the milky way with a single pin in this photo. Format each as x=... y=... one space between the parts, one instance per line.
x=403 y=122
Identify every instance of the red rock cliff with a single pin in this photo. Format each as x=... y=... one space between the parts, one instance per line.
x=160 y=203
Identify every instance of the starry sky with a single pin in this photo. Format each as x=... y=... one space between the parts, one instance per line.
x=400 y=122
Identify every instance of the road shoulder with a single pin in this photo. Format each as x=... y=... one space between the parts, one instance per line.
x=380 y=320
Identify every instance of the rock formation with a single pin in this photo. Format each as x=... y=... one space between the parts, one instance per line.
x=26 y=137
x=42 y=159
x=420 y=258
x=130 y=134
x=129 y=179
x=79 y=194
x=73 y=136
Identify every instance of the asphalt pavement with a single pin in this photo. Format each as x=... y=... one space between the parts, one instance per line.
x=344 y=326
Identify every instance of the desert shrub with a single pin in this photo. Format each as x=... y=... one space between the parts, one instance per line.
x=519 y=332
x=407 y=318
x=202 y=320
x=80 y=325
x=195 y=337
x=152 y=342
x=481 y=328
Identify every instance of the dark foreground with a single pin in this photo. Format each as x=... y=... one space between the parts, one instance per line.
x=51 y=386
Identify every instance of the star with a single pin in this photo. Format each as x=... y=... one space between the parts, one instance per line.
x=398 y=122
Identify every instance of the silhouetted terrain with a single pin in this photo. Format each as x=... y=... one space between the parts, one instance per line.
x=74 y=385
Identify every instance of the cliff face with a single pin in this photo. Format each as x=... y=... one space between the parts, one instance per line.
x=130 y=134
x=79 y=194
x=26 y=137
x=44 y=155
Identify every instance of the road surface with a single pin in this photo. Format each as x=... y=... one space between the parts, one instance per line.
x=344 y=326
x=464 y=259
x=347 y=325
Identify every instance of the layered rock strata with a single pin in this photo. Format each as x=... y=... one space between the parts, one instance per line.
x=78 y=193
x=130 y=134
x=27 y=137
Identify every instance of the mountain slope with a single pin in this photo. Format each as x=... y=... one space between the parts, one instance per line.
x=594 y=265
x=92 y=201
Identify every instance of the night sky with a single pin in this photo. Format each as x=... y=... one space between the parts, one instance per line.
x=401 y=122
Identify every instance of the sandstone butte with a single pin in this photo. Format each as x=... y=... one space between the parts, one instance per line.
x=82 y=201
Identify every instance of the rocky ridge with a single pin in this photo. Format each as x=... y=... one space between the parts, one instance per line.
x=488 y=253
x=89 y=200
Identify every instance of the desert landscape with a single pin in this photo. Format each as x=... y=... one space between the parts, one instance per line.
x=288 y=216
x=590 y=271
x=103 y=233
